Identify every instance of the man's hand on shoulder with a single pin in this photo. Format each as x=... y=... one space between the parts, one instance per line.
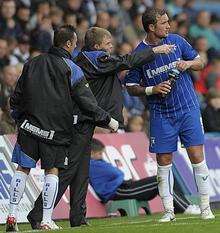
x=165 y=48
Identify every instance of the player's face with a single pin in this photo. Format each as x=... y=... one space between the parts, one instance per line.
x=162 y=27
x=106 y=44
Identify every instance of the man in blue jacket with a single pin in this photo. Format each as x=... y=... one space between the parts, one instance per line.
x=108 y=183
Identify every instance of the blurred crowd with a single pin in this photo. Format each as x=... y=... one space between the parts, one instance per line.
x=26 y=30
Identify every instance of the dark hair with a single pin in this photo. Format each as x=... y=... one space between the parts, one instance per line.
x=150 y=17
x=94 y=36
x=63 y=34
x=97 y=145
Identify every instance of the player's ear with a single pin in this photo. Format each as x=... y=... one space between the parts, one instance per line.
x=96 y=46
x=152 y=27
x=68 y=44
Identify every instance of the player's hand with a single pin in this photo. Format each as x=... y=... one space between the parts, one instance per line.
x=183 y=65
x=113 y=124
x=166 y=48
x=162 y=88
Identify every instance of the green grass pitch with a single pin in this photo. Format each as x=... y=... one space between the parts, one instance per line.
x=141 y=224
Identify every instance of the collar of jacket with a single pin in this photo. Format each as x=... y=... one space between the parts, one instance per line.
x=60 y=52
x=92 y=50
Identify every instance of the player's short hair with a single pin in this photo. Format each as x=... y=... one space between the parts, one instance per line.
x=63 y=34
x=97 y=145
x=95 y=35
x=150 y=17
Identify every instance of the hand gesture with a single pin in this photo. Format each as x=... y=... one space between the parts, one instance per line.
x=166 y=48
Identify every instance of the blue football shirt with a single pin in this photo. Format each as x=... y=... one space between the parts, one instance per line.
x=182 y=97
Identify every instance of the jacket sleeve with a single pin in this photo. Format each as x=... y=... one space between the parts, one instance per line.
x=87 y=103
x=112 y=64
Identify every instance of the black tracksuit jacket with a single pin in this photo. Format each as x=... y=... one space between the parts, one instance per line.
x=47 y=96
x=101 y=70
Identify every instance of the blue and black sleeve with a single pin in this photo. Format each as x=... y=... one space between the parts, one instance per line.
x=85 y=99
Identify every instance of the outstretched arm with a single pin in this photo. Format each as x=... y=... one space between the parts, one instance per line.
x=114 y=64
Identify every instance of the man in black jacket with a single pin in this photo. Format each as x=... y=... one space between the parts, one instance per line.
x=100 y=70
x=51 y=89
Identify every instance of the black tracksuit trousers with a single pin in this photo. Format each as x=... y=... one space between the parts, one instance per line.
x=146 y=189
x=76 y=175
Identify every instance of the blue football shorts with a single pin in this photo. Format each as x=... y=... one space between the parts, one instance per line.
x=165 y=131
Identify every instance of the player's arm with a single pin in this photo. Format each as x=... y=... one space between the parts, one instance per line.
x=113 y=64
x=191 y=59
x=133 y=80
x=87 y=103
x=161 y=88
x=196 y=64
